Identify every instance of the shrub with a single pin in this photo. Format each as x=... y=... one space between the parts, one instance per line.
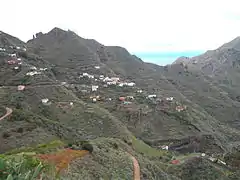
x=88 y=147
x=23 y=54
x=18 y=115
x=20 y=167
x=20 y=130
x=5 y=135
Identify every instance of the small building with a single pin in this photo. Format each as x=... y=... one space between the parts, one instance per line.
x=122 y=98
x=33 y=73
x=203 y=154
x=97 y=67
x=94 y=100
x=179 y=108
x=19 y=59
x=16 y=68
x=164 y=147
x=63 y=83
x=71 y=103
x=94 y=88
x=115 y=79
x=33 y=68
x=212 y=159
x=2 y=49
x=169 y=98
x=13 y=55
x=101 y=77
x=152 y=96
x=175 y=162
x=130 y=97
x=11 y=62
x=131 y=84
x=127 y=102
x=46 y=101
x=24 y=49
x=43 y=69
x=121 y=84
x=111 y=83
x=106 y=79
x=21 y=88
x=139 y=91
x=85 y=74
x=18 y=47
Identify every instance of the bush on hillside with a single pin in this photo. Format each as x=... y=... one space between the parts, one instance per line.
x=23 y=54
x=18 y=115
x=88 y=147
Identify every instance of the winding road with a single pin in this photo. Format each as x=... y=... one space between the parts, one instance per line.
x=136 y=168
x=8 y=112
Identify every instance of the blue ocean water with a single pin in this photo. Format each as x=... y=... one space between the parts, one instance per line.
x=164 y=58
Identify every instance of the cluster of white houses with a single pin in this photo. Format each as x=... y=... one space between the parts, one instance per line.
x=109 y=80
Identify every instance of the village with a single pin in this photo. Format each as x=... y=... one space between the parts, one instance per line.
x=96 y=83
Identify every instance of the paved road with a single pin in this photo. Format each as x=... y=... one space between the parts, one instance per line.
x=8 y=112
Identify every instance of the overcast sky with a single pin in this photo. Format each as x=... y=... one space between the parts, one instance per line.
x=156 y=30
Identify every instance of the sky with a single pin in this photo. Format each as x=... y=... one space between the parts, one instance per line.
x=157 y=31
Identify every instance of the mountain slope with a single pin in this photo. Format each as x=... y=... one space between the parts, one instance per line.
x=61 y=58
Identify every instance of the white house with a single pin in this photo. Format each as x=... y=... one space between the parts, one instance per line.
x=91 y=76
x=18 y=47
x=71 y=103
x=169 y=98
x=203 y=154
x=97 y=67
x=16 y=68
x=212 y=159
x=24 y=49
x=115 y=79
x=13 y=55
x=21 y=88
x=19 y=59
x=2 y=49
x=94 y=100
x=152 y=96
x=121 y=84
x=85 y=74
x=139 y=91
x=32 y=73
x=43 y=69
x=131 y=84
x=165 y=147
x=106 y=79
x=94 y=88
x=111 y=83
x=63 y=83
x=45 y=101
x=101 y=77
x=88 y=75
x=33 y=68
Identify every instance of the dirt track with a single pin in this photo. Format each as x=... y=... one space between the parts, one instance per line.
x=136 y=168
x=8 y=112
